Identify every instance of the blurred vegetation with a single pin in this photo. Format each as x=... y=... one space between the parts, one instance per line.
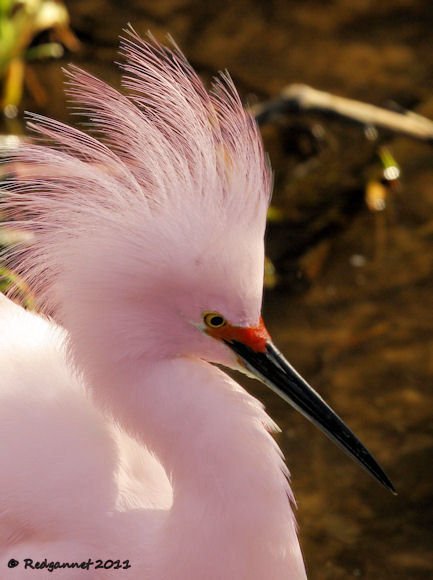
x=21 y=23
x=12 y=284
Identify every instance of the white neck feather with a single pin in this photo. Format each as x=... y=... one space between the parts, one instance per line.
x=231 y=516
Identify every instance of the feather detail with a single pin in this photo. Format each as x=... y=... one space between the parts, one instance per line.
x=167 y=146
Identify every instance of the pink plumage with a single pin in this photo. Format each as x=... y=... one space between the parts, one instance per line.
x=122 y=442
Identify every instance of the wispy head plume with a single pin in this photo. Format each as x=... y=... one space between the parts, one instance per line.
x=166 y=148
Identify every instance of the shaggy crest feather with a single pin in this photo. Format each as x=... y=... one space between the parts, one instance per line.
x=167 y=147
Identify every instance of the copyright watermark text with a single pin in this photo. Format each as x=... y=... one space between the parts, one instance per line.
x=51 y=566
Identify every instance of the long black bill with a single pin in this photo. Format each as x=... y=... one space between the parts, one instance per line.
x=273 y=369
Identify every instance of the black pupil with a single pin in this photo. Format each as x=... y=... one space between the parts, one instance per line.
x=217 y=321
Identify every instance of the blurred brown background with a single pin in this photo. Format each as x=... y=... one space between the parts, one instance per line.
x=352 y=306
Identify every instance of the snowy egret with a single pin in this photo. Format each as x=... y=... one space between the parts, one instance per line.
x=121 y=439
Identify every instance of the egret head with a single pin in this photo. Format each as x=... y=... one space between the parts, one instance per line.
x=155 y=217
x=148 y=233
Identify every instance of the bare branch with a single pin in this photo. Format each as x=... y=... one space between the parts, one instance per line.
x=298 y=98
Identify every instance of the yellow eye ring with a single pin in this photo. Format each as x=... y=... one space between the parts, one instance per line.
x=214 y=320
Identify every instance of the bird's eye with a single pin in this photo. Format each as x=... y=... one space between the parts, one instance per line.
x=214 y=320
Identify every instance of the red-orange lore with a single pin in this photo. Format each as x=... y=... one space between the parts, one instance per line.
x=255 y=337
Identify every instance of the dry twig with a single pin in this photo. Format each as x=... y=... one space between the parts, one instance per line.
x=298 y=98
